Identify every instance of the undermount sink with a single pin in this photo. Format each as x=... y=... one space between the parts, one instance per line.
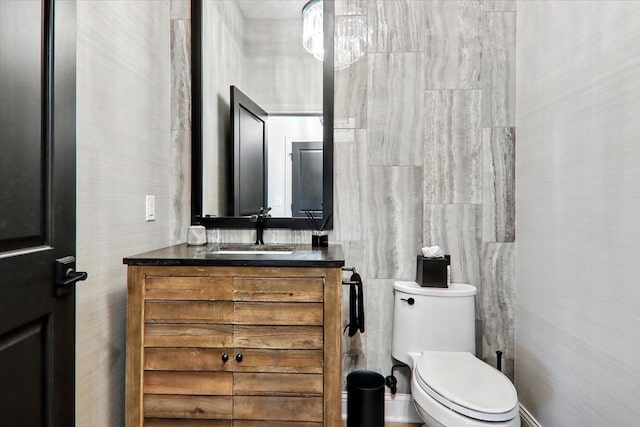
x=249 y=249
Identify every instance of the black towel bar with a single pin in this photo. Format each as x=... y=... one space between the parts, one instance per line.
x=349 y=282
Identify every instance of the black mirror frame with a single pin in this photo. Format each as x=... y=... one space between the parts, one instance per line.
x=197 y=217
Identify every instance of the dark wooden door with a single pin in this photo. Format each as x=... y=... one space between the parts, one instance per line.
x=306 y=176
x=37 y=212
x=249 y=136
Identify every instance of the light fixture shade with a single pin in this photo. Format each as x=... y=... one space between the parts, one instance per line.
x=350 y=41
x=312 y=31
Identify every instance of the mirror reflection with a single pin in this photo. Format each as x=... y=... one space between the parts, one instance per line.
x=256 y=47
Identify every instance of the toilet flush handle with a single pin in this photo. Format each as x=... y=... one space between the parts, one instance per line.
x=410 y=301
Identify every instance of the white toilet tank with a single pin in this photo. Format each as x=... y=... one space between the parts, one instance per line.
x=427 y=318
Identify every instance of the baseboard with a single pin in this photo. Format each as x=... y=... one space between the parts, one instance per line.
x=527 y=419
x=398 y=408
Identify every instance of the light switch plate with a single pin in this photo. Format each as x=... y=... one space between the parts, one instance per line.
x=151 y=208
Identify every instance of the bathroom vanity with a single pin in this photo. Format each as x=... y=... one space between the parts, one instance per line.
x=234 y=339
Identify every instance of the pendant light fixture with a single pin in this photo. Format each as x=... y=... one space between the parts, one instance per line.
x=350 y=40
x=312 y=30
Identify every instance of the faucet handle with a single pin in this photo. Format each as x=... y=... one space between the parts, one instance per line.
x=262 y=213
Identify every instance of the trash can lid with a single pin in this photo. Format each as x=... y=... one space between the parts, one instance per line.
x=363 y=379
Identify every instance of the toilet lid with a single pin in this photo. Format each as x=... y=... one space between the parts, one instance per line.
x=454 y=289
x=467 y=385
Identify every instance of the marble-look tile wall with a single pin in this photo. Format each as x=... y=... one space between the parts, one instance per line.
x=424 y=155
x=180 y=119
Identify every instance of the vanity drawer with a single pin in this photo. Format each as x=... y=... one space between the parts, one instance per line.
x=278 y=337
x=278 y=313
x=278 y=289
x=178 y=406
x=188 y=311
x=247 y=313
x=172 y=422
x=186 y=359
x=270 y=423
x=278 y=408
x=257 y=384
x=284 y=361
x=239 y=288
x=188 y=335
x=253 y=360
x=185 y=382
x=188 y=288
x=226 y=335
x=227 y=383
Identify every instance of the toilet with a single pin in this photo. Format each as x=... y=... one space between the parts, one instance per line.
x=434 y=333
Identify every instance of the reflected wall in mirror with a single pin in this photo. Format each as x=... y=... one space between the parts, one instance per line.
x=257 y=47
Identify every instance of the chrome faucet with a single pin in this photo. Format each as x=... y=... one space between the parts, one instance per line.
x=260 y=219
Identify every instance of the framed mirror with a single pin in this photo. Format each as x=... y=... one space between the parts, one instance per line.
x=256 y=46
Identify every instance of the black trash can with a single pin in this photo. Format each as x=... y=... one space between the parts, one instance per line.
x=365 y=399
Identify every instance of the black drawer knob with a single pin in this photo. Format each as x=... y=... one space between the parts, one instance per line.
x=225 y=357
x=239 y=357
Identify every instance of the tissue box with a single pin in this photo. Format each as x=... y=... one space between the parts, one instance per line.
x=433 y=272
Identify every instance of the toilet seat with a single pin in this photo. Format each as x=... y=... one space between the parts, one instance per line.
x=452 y=379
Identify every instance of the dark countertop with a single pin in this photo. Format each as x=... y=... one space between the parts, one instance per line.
x=184 y=255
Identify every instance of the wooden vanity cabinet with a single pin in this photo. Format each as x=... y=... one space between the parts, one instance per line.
x=233 y=346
